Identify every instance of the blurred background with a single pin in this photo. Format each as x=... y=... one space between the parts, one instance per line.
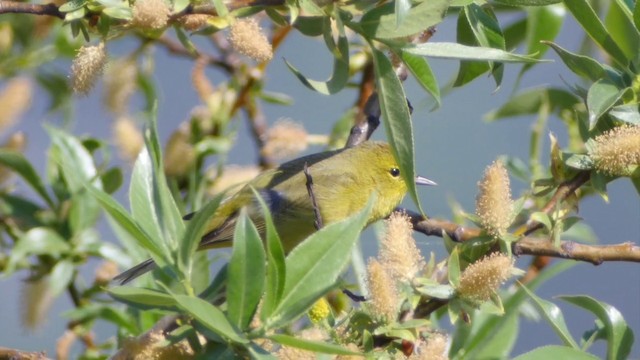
x=453 y=146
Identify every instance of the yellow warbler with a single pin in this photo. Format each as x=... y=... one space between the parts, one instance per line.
x=343 y=182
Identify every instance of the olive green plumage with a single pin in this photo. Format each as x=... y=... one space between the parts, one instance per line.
x=343 y=182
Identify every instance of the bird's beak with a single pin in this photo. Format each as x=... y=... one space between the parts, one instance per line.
x=424 y=181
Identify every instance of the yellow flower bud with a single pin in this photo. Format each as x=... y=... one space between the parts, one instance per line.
x=383 y=292
x=483 y=278
x=246 y=36
x=150 y=14
x=87 y=66
x=494 y=206
x=617 y=150
x=399 y=254
x=319 y=311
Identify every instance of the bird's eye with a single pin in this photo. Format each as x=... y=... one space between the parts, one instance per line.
x=394 y=172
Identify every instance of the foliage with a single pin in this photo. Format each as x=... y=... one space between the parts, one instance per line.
x=258 y=305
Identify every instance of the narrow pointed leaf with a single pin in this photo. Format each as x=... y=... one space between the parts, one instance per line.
x=276 y=266
x=422 y=72
x=314 y=266
x=619 y=334
x=382 y=22
x=397 y=120
x=210 y=317
x=554 y=317
x=463 y=52
x=194 y=231
x=21 y=166
x=340 y=74
x=142 y=298
x=246 y=272
x=588 y=19
x=555 y=352
x=309 y=345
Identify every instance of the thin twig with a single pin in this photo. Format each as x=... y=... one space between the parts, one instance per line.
x=314 y=202
x=564 y=190
x=175 y=48
x=34 y=9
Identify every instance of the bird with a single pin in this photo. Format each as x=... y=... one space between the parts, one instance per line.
x=343 y=182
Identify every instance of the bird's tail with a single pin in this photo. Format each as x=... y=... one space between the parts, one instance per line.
x=135 y=271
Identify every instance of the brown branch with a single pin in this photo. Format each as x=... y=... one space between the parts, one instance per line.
x=13 y=354
x=595 y=254
x=34 y=9
x=175 y=48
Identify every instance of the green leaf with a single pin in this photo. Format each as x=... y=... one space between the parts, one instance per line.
x=487 y=33
x=315 y=346
x=465 y=35
x=583 y=66
x=210 y=317
x=111 y=180
x=126 y=221
x=37 y=241
x=78 y=170
x=620 y=26
x=456 y=51
x=118 y=12
x=530 y=101
x=314 y=266
x=626 y=113
x=501 y=344
x=453 y=268
x=397 y=120
x=599 y=183
x=21 y=166
x=340 y=74
x=246 y=272
x=542 y=218
x=588 y=19
x=602 y=96
x=422 y=72
x=152 y=204
x=528 y=2
x=636 y=16
x=578 y=161
x=276 y=266
x=60 y=277
x=72 y=5
x=312 y=25
x=619 y=334
x=185 y=40
x=142 y=298
x=193 y=233
x=543 y=24
x=556 y=352
x=382 y=23
x=401 y=10
x=554 y=317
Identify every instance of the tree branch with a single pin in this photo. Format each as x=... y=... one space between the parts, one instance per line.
x=6 y=353
x=537 y=246
x=50 y=9
x=595 y=254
